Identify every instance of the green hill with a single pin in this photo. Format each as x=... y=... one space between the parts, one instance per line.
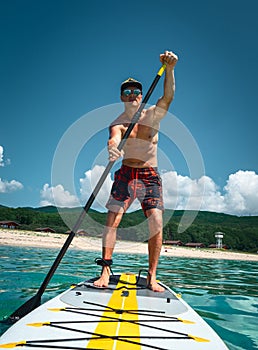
x=241 y=233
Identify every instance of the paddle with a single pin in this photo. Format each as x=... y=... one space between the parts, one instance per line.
x=35 y=301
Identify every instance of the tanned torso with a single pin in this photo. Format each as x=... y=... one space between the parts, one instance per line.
x=140 y=149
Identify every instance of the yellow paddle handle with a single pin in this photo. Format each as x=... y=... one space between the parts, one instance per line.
x=162 y=69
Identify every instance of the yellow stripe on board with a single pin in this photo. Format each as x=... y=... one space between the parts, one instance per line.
x=118 y=301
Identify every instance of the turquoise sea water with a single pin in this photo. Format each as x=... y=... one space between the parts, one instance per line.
x=223 y=292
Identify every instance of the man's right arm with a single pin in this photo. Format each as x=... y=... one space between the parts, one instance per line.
x=115 y=137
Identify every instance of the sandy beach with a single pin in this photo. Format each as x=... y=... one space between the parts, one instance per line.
x=54 y=240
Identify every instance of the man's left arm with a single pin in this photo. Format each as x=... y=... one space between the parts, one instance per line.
x=162 y=106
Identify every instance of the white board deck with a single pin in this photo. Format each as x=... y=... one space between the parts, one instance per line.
x=120 y=317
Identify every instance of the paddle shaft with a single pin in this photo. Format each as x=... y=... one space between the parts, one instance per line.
x=18 y=312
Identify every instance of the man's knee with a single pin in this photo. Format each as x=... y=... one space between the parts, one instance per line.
x=114 y=217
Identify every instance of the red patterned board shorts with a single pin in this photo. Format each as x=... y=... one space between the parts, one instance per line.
x=130 y=183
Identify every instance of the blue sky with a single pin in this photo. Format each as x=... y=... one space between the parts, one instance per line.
x=63 y=61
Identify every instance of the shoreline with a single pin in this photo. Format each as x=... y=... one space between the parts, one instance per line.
x=22 y=238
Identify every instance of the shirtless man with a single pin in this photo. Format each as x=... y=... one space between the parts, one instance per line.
x=138 y=176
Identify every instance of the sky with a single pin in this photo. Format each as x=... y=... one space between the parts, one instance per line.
x=62 y=63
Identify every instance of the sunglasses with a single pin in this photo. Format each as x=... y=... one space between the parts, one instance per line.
x=128 y=92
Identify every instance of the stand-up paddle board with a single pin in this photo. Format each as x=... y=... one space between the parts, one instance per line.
x=125 y=315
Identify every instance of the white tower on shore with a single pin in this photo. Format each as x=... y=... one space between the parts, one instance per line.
x=219 y=236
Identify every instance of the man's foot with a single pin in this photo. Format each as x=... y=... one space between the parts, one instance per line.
x=104 y=278
x=154 y=286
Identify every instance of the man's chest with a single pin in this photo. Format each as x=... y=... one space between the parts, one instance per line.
x=140 y=131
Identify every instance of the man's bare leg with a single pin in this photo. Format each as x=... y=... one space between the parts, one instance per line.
x=155 y=221
x=108 y=244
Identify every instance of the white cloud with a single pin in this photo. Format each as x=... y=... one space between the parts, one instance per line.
x=10 y=186
x=7 y=186
x=2 y=161
x=1 y=156
x=241 y=195
x=182 y=192
x=88 y=183
x=57 y=196
x=238 y=197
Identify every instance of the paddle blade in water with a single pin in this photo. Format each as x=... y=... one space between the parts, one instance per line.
x=24 y=309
